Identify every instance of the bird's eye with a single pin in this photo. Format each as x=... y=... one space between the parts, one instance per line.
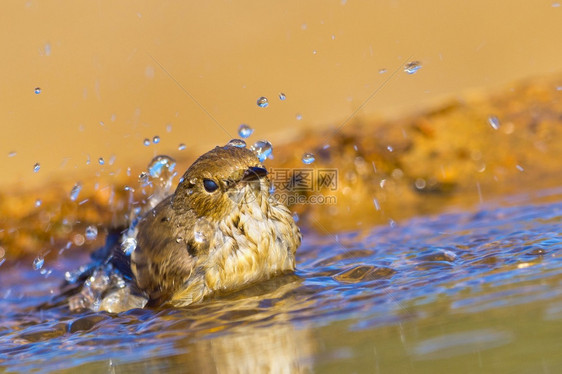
x=210 y=185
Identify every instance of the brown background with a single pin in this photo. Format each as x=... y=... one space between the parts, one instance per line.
x=107 y=62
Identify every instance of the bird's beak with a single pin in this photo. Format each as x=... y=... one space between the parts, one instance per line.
x=253 y=174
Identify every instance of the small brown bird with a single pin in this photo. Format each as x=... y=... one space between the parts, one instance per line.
x=220 y=231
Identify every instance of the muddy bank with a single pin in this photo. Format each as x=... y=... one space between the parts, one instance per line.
x=365 y=172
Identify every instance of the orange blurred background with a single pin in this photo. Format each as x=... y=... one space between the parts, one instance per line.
x=114 y=73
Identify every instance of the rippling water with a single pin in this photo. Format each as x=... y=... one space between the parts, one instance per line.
x=459 y=292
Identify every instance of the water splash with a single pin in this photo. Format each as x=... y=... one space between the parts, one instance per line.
x=159 y=175
x=128 y=245
x=263 y=149
x=245 y=131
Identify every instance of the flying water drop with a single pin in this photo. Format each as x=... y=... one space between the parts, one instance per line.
x=308 y=158
x=37 y=90
x=282 y=96
x=156 y=139
x=101 y=161
x=38 y=203
x=263 y=102
x=36 y=167
x=262 y=149
x=146 y=142
x=494 y=122
x=412 y=67
x=299 y=117
x=38 y=262
x=181 y=147
x=91 y=232
x=75 y=191
x=245 y=131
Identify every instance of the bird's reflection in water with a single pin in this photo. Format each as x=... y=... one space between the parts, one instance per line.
x=249 y=331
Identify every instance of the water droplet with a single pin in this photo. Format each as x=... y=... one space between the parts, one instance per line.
x=389 y=147
x=161 y=165
x=181 y=147
x=245 y=131
x=282 y=96
x=556 y=5
x=91 y=232
x=299 y=116
x=47 y=49
x=156 y=139
x=111 y=159
x=169 y=127
x=420 y=183
x=146 y=142
x=78 y=240
x=144 y=180
x=202 y=231
x=38 y=262
x=308 y=158
x=237 y=143
x=377 y=206
x=262 y=149
x=37 y=203
x=12 y=154
x=128 y=245
x=36 y=167
x=519 y=167
x=494 y=122
x=296 y=217
x=382 y=71
x=333 y=37
x=75 y=191
x=412 y=67
x=262 y=102
x=101 y=161
x=37 y=90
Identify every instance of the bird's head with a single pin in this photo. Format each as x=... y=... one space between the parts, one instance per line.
x=221 y=180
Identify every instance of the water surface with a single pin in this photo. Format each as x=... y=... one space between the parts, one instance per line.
x=476 y=291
